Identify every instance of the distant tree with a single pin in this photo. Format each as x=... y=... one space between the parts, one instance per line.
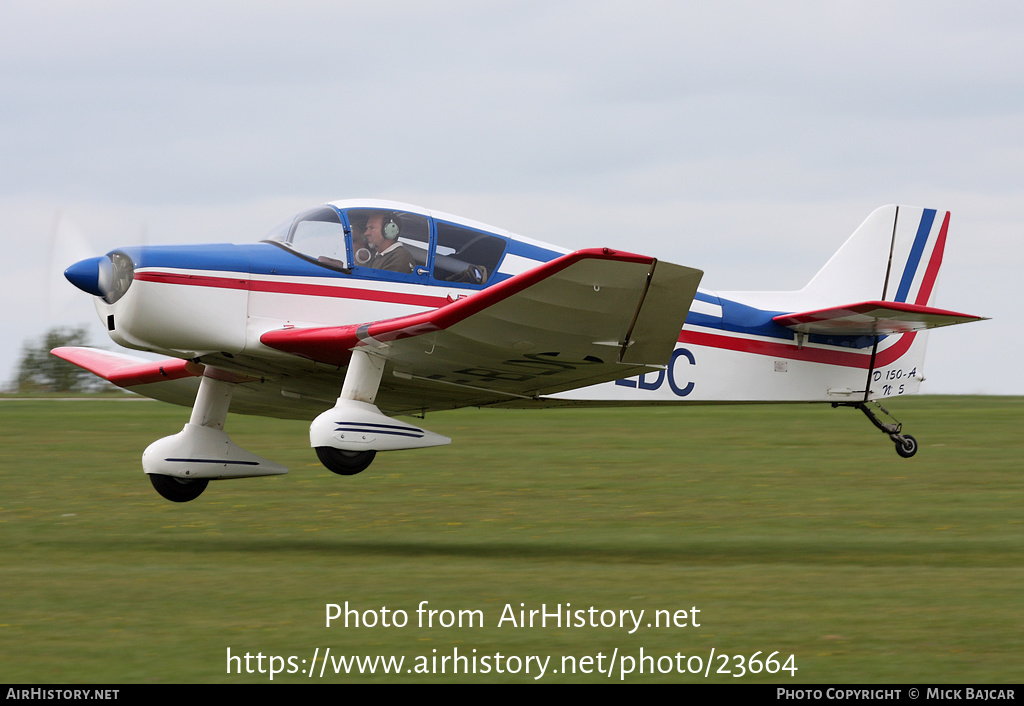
x=39 y=371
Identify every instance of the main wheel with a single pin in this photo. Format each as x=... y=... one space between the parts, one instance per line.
x=908 y=447
x=178 y=490
x=344 y=463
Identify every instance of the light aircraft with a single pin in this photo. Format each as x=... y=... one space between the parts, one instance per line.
x=310 y=323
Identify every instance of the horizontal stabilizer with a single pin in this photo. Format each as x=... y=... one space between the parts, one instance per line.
x=875 y=318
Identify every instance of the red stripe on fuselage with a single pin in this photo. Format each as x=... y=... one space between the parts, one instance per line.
x=792 y=352
x=278 y=287
x=711 y=340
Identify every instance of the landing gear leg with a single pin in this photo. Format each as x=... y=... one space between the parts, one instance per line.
x=180 y=466
x=349 y=435
x=906 y=445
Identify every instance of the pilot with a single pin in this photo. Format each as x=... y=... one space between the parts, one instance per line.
x=382 y=235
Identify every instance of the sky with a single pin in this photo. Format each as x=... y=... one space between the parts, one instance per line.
x=747 y=139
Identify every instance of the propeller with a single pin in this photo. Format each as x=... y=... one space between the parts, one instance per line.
x=66 y=243
x=108 y=276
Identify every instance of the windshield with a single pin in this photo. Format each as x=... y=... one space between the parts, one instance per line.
x=384 y=239
x=317 y=233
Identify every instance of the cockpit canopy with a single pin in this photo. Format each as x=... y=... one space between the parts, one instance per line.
x=440 y=251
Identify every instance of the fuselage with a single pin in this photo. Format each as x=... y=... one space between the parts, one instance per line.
x=213 y=303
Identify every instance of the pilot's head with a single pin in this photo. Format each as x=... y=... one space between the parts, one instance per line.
x=374 y=232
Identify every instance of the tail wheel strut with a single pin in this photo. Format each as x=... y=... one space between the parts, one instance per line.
x=906 y=445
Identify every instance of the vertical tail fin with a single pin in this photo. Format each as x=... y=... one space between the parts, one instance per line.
x=894 y=255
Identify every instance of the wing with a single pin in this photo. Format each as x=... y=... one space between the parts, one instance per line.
x=167 y=379
x=177 y=382
x=584 y=318
x=875 y=318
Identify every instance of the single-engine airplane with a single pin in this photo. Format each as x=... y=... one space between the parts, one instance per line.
x=406 y=311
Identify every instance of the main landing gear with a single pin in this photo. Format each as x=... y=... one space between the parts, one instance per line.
x=906 y=445
x=346 y=437
x=181 y=466
x=349 y=435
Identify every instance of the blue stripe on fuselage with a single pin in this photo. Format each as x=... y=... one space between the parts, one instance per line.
x=749 y=320
x=271 y=259
x=255 y=258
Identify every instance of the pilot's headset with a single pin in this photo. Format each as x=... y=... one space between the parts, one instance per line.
x=390 y=226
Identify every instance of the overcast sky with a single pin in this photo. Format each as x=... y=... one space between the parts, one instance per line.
x=746 y=139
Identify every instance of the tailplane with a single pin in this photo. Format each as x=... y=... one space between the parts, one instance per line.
x=881 y=284
x=863 y=319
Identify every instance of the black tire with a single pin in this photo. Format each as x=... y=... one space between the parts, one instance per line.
x=344 y=463
x=178 y=490
x=908 y=447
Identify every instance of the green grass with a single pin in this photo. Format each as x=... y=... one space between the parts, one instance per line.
x=794 y=529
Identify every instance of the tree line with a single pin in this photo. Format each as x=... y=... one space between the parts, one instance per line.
x=39 y=371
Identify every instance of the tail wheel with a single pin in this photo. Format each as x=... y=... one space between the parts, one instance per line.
x=178 y=490
x=907 y=446
x=344 y=463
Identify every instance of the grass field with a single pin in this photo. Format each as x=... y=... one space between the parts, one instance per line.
x=793 y=529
